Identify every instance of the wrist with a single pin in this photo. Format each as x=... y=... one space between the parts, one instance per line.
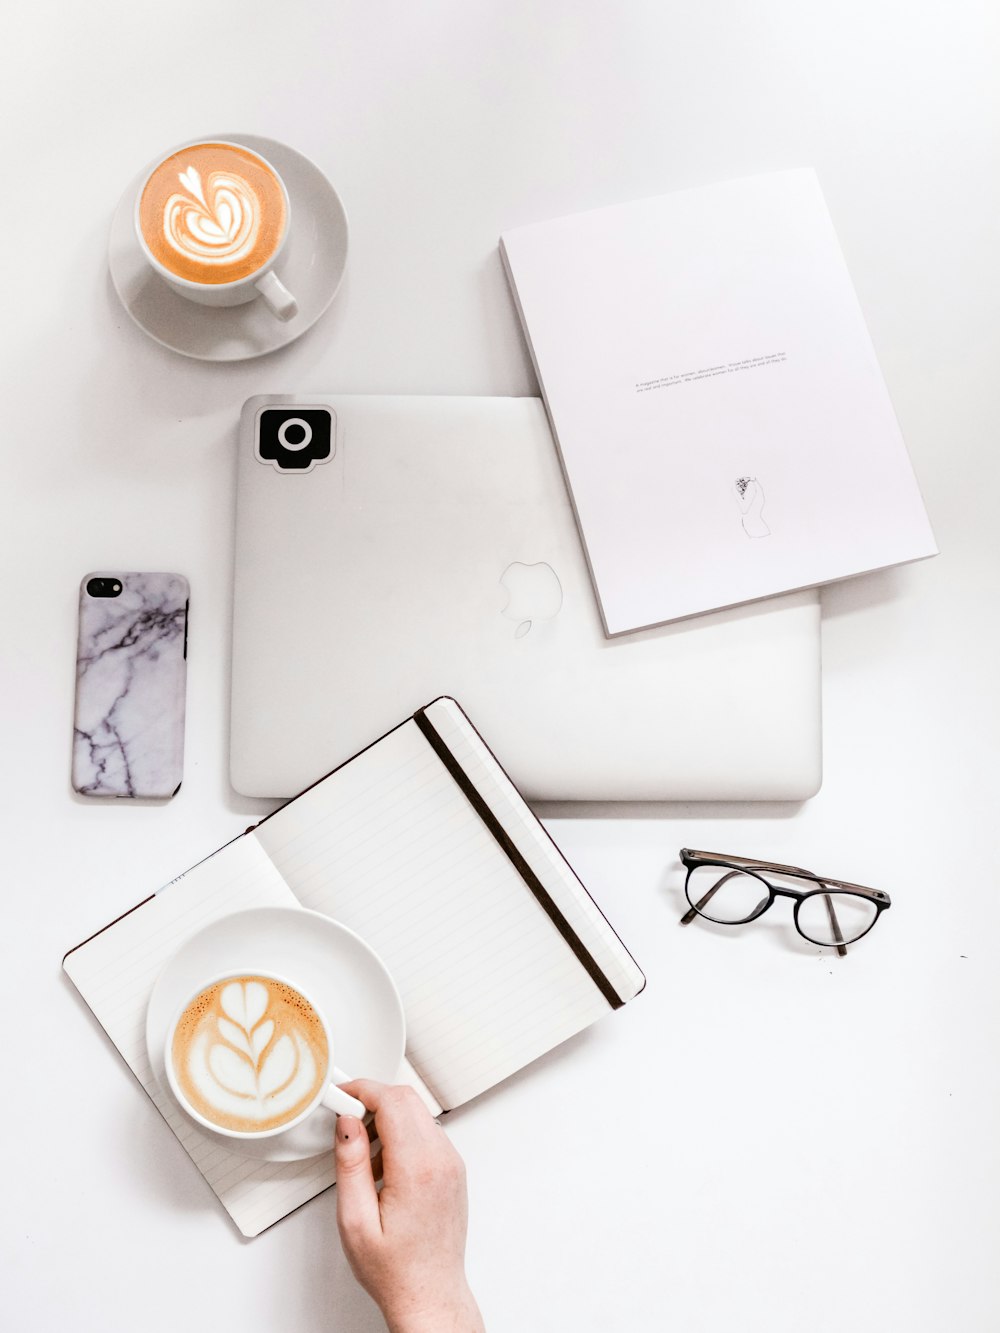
x=457 y=1312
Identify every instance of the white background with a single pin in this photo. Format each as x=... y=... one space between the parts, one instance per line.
x=770 y=1137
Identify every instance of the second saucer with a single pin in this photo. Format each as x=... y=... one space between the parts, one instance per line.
x=314 y=260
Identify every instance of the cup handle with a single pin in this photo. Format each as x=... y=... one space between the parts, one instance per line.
x=335 y=1099
x=278 y=298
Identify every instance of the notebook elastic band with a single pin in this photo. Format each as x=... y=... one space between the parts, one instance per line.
x=501 y=836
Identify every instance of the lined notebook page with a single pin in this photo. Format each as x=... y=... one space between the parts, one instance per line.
x=389 y=846
x=115 y=973
x=537 y=848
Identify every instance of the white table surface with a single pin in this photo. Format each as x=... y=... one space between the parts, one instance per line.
x=810 y=1142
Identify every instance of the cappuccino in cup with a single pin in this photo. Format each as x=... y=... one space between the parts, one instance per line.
x=249 y=1054
x=212 y=218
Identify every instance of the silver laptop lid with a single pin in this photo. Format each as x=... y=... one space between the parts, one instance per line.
x=393 y=549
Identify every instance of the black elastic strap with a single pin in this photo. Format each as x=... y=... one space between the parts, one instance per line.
x=536 y=886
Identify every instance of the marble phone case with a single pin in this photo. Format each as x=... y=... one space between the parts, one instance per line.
x=131 y=673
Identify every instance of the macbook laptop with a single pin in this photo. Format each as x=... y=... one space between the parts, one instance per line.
x=393 y=549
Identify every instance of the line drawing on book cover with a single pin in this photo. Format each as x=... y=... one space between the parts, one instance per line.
x=750 y=498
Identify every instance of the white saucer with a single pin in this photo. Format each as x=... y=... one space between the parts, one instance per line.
x=332 y=964
x=311 y=266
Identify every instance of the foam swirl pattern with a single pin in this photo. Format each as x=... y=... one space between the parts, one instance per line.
x=250 y=1054
x=212 y=213
x=215 y=221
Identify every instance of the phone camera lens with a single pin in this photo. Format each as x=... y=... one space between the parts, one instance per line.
x=104 y=587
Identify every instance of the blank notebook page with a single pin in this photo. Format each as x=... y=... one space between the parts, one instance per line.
x=390 y=847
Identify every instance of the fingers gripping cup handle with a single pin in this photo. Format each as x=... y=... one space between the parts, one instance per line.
x=335 y=1099
x=277 y=297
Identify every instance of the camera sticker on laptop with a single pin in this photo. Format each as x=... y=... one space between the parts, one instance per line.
x=295 y=439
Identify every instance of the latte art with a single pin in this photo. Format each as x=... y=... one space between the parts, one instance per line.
x=250 y=1053
x=216 y=222
x=213 y=213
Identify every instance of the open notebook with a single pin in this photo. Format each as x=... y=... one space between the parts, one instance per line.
x=422 y=845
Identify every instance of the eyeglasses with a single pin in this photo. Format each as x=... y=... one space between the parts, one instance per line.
x=732 y=890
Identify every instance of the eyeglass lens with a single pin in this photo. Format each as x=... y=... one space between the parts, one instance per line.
x=726 y=896
x=835 y=918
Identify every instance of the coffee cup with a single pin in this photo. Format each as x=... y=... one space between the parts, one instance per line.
x=249 y=1056
x=212 y=218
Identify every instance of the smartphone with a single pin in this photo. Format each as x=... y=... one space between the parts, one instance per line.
x=131 y=680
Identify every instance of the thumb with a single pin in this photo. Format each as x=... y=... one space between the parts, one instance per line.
x=357 y=1198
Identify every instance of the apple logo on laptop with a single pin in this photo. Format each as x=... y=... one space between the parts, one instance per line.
x=533 y=592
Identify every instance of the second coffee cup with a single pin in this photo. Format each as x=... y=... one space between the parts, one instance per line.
x=212 y=218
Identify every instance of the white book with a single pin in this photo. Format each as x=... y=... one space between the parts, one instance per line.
x=423 y=847
x=723 y=424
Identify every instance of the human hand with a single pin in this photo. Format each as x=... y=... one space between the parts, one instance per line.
x=405 y=1244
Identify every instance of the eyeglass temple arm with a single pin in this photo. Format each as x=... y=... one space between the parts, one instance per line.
x=776 y=866
x=835 y=925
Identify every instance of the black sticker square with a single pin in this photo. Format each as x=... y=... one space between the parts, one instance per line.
x=295 y=439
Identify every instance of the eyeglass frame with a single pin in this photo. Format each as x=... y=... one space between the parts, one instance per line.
x=693 y=860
